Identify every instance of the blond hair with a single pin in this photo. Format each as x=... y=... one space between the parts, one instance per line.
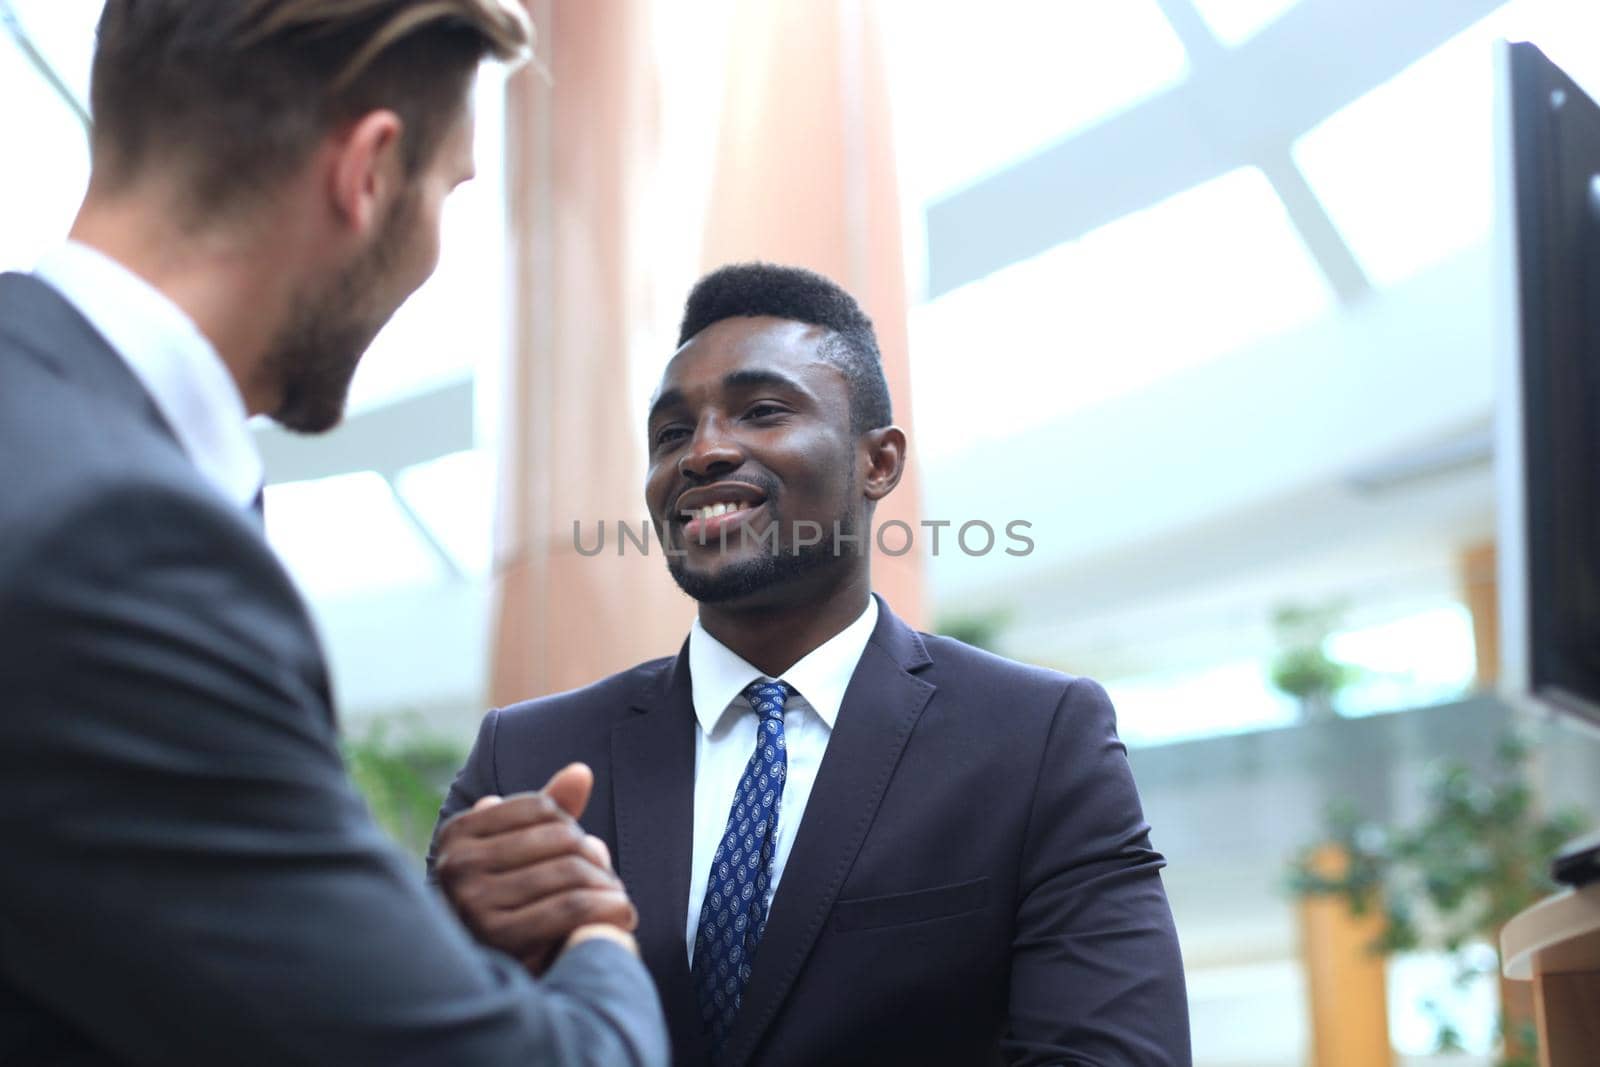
x=503 y=24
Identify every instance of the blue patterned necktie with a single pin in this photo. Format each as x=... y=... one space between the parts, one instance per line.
x=735 y=910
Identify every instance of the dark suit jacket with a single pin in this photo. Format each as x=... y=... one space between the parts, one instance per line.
x=186 y=875
x=972 y=881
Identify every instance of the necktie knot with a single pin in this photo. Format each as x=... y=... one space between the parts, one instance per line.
x=767 y=698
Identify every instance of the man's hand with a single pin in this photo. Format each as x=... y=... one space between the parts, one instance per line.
x=523 y=875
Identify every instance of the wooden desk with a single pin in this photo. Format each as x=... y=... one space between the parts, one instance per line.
x=1556 y=945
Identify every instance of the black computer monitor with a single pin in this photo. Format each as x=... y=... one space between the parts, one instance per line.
x=1548 y=398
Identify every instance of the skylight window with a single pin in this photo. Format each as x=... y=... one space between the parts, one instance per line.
x=974 y=95
x=346 y=535
x=455 y=496
x=1236 y=21
x=1407 y=171
x=39 y=199
x=64 y=35
x=1164 y=289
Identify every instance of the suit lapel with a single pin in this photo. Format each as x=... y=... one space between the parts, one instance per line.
x=652 y=751
x=880 y=709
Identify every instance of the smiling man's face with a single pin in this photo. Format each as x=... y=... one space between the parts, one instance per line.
x=750 y=445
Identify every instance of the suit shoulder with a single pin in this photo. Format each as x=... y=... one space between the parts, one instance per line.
x=109 y=515
x=64 y=449
x=586 y=704
x=962 y=666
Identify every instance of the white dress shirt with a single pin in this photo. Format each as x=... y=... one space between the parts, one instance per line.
x=170 y=357
x=727 y=737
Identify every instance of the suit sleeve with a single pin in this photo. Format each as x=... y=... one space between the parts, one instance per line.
x=475 y=780
x=1096 y=976
x=189 y=876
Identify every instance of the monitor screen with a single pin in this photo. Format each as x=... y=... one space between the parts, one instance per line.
x=1548 y=419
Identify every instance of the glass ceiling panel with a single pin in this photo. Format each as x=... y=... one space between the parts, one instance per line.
x=455 y=496
x=1236 y=21
x=38 y=201
x=457 y=320
x=1407 y=171
x=1177 y=284
x=979 y=87
x=64 y=34
x=346 y=535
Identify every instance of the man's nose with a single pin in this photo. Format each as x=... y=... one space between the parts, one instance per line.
x=712 y=452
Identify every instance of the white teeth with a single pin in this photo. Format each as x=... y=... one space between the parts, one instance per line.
x=712 y=511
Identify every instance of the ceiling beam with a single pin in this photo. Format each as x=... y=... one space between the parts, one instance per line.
x=1322 y=239
x=438 y=421
x=1239 y=107
x=388 y=438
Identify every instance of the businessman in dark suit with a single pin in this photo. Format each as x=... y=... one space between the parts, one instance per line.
x=188 y=876
x=849 y=842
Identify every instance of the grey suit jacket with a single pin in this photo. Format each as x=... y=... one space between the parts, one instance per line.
x=186 y=875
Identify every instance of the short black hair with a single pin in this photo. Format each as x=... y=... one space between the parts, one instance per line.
x=752 y=289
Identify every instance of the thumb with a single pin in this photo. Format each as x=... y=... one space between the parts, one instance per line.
x=569 y=788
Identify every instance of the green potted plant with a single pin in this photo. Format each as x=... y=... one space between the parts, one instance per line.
x=403 y=771
x=978 y=630
x=1303 y=669
x=1476 y=858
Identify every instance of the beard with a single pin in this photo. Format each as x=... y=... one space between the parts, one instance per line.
x=748 y=577
x=314 y=356
x=771 y=569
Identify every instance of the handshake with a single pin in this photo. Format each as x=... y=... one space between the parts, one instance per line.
x=527 y=880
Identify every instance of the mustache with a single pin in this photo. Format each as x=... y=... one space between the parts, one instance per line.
x=766 y=485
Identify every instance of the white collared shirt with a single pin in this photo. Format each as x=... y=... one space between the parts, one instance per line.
x=727 y=737
x=170 y=357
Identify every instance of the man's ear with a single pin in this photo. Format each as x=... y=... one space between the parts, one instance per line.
x=885 y=453
x=367 y=170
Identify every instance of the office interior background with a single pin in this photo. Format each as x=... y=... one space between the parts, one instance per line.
x=1202 y=291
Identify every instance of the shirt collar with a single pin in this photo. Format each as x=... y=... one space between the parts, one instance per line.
x=170 y=357
x=717 y=674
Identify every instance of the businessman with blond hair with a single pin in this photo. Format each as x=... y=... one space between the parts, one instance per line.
x=189 y=877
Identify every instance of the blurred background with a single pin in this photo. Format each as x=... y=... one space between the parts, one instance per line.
x=1200 y=290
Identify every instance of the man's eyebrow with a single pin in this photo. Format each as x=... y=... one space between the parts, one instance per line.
x=667 y=398
x=739 y=379
x=748 y=379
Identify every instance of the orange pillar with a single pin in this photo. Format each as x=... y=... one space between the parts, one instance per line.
x=578 y=144
x=1345 y=978
x=1479 y=586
